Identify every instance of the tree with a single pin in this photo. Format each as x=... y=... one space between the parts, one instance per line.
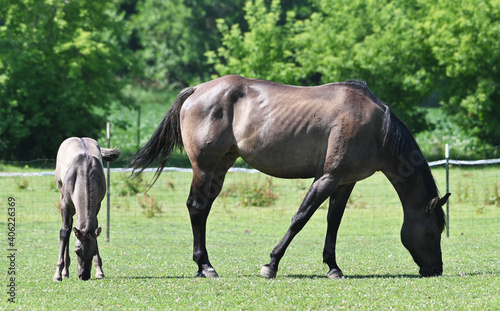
x=59 y=67
x=465 y=40
x=264 y=51
x=175 y=34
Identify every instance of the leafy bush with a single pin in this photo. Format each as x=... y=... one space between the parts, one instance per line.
x=59 y=62
x=149 y=206
x=175 y=34
x=251 y=193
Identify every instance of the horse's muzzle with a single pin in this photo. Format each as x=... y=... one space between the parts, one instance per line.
x=434 y=271
x=84 y=276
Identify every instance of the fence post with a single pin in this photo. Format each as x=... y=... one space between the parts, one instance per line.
x=138 y=126
x=447 y=157
x=108 y=199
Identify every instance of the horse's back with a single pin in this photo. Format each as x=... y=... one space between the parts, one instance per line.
x=283 y=130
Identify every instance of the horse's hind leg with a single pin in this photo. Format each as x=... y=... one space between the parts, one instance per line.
x=336 y=210
x=319 y=191
x=205 y=187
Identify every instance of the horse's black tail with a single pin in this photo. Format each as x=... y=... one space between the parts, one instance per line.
x=165 y=138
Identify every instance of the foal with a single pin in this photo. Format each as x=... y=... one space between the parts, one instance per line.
x=82 y=185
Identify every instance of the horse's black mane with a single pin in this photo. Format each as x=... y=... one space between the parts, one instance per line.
x=400 y=142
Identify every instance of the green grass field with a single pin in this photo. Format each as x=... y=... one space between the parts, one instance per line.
x=148 y=263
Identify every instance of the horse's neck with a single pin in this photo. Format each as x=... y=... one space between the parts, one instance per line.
x=409 y=181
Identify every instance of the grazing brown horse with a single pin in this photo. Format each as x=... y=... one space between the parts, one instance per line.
x=82 y=185
x=337 y=133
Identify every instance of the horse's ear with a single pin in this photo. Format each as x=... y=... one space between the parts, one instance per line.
x=432 y=205
x=77 y=232
x=437 y=202
x=443 y=200
x=97 y=232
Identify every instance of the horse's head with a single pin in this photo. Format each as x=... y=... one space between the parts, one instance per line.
x=421 y=235
x=85 y=249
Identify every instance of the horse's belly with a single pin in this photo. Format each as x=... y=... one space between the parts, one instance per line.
x=284 y=163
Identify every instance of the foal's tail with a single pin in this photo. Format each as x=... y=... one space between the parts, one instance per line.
x=165 y=138
x=110 y=155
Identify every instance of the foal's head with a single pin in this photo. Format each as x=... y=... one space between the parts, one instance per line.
x=85 y=249
x=421 y=235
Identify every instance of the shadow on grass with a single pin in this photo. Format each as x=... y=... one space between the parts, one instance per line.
x=390 y=276
x=367 y=276
x=310 y=276
x=151 y=277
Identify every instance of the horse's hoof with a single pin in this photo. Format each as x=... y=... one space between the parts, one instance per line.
x=65 y=276
x=267 y=272
x=99 y=275
x=335 y=274
x=57 y=279
x=207 y=273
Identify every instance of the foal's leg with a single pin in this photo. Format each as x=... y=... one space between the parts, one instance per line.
x=319 y=191
x=97 y=258
x=67 y=261
x=336 y=209
x=205 y=187
x=62 y=266
x=98 y=265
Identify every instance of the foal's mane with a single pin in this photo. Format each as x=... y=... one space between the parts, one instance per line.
x=400 y=143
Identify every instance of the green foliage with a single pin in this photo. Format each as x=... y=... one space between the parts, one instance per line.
x=263 y=51
x=59 y=61
x=163 y=37
x=462 y=144
x=130 y=186
x=149 y=206
x=251 y=192
x=175 y=34
x=464 y=38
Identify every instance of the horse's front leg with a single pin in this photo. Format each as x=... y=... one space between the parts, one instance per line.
x=336 y=210
x=62 y=266
x=319 y=191
x=204 y=189
x=98 y=265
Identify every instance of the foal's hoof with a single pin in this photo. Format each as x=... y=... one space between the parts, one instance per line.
x=57 y=279
x=207 y=273
x=99 y=275
x=335 y=274
x=267 y=272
